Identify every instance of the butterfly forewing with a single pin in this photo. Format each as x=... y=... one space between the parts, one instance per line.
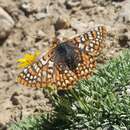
x=92 y=41
x=38 y=74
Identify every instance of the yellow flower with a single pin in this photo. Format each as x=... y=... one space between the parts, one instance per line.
x=28 y=59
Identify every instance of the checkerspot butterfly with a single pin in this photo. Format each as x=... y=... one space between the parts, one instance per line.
x=66 y=62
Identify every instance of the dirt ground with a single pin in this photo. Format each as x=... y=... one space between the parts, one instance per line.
x=29 y=25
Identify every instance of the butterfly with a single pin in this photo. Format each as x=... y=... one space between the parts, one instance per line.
x=66 y=62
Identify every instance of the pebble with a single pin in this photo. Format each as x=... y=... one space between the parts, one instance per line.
x=38 y=95
x=26 y=6
x=41 y=15
x=123 y=40
x=2 y=126
x=72 y=3
x=6 y=24
x=124 y=13
x=62 y=23
x=14 y=99
x=65 y=34
x=86 y=4
x=79 y=26
x=33 y=6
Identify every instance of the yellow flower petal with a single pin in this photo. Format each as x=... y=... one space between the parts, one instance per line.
x=28 y=59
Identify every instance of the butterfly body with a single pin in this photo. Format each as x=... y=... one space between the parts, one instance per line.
x=66 y=54
x=66 y=62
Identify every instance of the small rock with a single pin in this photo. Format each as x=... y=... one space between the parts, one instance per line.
x=26 y=7
x=2 y=126
x=123 y=29
x=62 y=23
x=6 y=23
x=41 y=15
x=4 y=118
x=38 y=95
x=39 y=35
x=79 y=26
x=86 y=3
x=15 y=100
x=123 y=40
x=61 y=2
x=46 y=26
x=33 y=6
x=124 y=14
x=65 y=34
x=72 y=3
x=15 y=93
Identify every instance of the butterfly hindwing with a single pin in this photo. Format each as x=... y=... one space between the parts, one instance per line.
x=65 y=78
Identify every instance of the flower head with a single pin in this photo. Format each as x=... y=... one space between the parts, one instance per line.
x=28 y=59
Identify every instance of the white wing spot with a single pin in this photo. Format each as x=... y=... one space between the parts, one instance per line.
x=49 y=76
x=63 y=84
x=98 y=33
x=25 y=71
x=34 y=81
x=37 y=69
x=28 y=75
x=66 y=71
x=26 y=79
x=71 y=78
x=35 y=77
x=58 y=83
x=43 y=61
x=35 y=66
x=81 y=46
x=87 y=49
x=39 y=79
x=44 y=73
x=30 y=81
x=66 y=81
x=82 y=72
x=50 y=70
x=98 y=37
x=39 y=74
x=50 y=64
x=91 y=50
x=91 y=44
x=82 y=38
x=31 y=77
x=86 y=71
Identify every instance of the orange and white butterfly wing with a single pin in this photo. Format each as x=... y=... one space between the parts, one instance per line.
x=38 y=74
x=65 y=78
x=85 y=69
x=92 y=41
